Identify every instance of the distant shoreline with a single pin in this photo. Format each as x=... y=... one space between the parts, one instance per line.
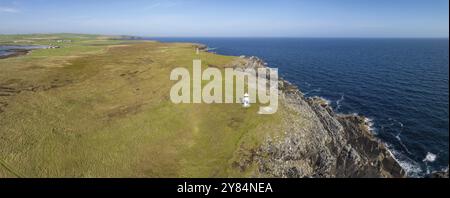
x=18 y=50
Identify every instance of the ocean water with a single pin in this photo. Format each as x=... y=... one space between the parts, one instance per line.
x=400 y=84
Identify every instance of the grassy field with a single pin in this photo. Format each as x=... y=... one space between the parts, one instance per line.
x=99 y=107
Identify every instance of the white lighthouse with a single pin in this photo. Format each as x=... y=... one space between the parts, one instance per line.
x=246 y=100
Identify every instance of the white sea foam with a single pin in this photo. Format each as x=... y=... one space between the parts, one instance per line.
x=398 y=136
x=411 y=167
x=430 y=157
x=211 y=49
x=401 y=143
x=313 y=91
x=370 y=124
x=339 y=102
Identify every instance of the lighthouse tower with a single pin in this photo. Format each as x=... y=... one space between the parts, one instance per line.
x=246 y=100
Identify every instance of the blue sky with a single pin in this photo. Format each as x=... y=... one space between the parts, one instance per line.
x=229 y=18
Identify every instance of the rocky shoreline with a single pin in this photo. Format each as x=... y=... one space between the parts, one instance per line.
x=21 y=51
x=319 y=142
x=438 y=174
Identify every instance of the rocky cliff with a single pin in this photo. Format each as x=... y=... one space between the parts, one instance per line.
x=317 y=142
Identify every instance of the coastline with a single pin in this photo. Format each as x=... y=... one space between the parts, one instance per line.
x=353 y=134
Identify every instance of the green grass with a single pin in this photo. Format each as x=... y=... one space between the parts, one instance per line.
x=100 y=108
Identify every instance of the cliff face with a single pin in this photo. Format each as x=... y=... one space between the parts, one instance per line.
x=317 y=142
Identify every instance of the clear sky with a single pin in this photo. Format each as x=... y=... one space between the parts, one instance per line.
x=229 y=18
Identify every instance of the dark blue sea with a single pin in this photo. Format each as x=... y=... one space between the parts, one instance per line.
x=400 y=84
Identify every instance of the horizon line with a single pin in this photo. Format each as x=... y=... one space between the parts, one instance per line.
x=248 y=37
